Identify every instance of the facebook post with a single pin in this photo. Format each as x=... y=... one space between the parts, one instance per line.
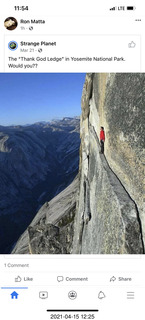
x=72 y=157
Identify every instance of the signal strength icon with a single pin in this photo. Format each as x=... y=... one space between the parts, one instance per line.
x=114 y=8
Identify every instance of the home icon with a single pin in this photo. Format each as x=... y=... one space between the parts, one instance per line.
x=14 y=294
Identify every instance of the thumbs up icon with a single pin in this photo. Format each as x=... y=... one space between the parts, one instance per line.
x=18 y=279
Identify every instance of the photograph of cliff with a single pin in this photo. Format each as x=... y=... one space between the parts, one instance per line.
x=67 y=187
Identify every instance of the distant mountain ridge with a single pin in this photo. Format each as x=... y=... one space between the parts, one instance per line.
x=43 y=122
x=36 y=162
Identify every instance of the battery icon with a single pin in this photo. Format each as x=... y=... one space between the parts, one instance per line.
x=131 y=8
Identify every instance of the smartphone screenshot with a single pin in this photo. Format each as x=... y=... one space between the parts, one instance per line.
x=72 y=160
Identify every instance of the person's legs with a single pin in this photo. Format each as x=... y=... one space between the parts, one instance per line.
x=102 y=146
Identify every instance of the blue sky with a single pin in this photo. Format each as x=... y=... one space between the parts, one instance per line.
x=26 y=98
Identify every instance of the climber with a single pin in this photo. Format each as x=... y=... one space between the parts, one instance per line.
x=102 y=139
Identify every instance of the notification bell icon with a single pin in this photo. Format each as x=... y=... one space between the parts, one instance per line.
x=101 y=295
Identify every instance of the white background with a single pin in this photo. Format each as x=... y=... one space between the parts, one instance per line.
x=78 y=18
x=99 y=269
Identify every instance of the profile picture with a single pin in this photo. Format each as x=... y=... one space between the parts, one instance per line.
x=12 y=45
x=10 y=23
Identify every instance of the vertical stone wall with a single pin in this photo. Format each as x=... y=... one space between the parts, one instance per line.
x=110 y=213
x=121 y=111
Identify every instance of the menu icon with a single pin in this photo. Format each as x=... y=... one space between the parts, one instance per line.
x=130 y=295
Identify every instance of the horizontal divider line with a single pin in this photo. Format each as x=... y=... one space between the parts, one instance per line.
x=72 y=310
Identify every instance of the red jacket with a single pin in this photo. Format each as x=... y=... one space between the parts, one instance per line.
x=102 y=135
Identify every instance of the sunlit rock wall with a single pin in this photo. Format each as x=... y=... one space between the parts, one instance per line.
x=110 y=212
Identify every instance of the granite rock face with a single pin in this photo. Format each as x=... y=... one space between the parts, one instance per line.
x=52 y=229
x=110 y=213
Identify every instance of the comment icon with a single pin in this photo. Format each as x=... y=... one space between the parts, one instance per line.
x=60 y=278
